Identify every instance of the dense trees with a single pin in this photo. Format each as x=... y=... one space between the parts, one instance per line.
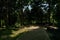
x=12 y=11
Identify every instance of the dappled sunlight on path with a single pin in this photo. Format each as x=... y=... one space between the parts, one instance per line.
x=25 y=29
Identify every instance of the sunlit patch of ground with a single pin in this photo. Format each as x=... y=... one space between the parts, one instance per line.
x=53 y=27
x=25 y=29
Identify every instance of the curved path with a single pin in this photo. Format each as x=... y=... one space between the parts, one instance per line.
x=36 y=34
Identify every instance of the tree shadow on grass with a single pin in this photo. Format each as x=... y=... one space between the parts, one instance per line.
x=5 y=32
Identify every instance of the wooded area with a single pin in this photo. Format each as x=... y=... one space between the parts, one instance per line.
x=15 y=14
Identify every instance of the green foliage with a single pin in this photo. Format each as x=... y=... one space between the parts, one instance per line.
x=14 y=11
